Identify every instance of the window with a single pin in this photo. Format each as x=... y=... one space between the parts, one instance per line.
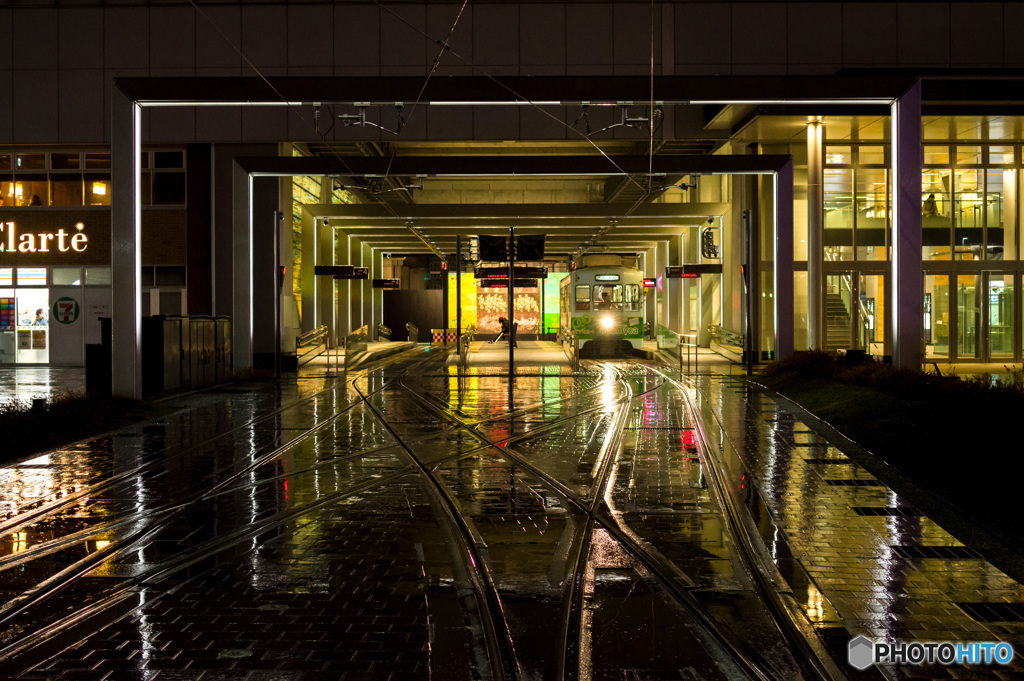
x=97 y=276
x=31 y=276
x=31 y=162
x=936 y=155
x=632 y=297
x=67 y=276
x=96 y=161
x=65 y=161
x=97 y=190
x=67 y=190
x=583 y=297
x=6 y=276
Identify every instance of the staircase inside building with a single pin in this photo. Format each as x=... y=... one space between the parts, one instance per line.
x=837 y=322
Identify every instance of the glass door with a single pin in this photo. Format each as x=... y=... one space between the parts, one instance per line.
x=968 y=317
x=841 y=298
x=999 y=315
x=871 y=326
x=937 y=320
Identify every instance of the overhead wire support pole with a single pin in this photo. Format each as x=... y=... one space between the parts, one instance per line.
x=279 y=218
x=511 y=314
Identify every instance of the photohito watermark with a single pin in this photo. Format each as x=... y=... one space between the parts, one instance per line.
x=863 y=652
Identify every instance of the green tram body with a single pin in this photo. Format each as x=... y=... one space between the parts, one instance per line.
x=604 y=307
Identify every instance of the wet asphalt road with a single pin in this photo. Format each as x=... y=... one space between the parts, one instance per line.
x=404 y=523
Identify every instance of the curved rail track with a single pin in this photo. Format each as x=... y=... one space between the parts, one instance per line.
x=534 y=605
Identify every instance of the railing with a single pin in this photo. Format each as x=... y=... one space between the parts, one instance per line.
x=356 y=346
x=310 y=344
x=383 y=332
x=571 y=347
x=725 y=336
x=414 y=333
x=314 y=337
x=688 y=346
x=464 y=344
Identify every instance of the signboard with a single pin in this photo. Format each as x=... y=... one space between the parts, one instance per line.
x=60 y=241
x=357 y=273
x=65 y=310
x=691 y=271
x=650 y=283
x=342 y=271
x=387 y=283
x=502 y=272
x=503 y=283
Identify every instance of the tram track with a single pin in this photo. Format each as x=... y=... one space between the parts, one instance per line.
x=594 y=511
x=599 y=514
x=152 y=521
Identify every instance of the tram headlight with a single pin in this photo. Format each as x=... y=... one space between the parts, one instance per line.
x=607 y=322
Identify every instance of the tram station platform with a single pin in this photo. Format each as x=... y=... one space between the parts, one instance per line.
x=375 y=350
x=406 y=521
x=527 y=353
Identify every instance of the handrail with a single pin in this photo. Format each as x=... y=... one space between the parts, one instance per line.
x=693 y=345
x=572 y=353
x=725 y=335
x=414 y=333
x=314 y=337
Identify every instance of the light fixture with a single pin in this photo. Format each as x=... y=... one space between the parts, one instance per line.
x=99 y=188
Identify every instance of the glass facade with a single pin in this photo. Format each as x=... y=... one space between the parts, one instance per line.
x=82 y=178
x=969 y=220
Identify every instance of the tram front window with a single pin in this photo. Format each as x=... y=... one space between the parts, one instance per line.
x=608 y=297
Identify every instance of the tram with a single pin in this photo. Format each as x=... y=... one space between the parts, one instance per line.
x=603 y=304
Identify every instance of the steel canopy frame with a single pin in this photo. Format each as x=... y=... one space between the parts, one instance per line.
x=132 y=95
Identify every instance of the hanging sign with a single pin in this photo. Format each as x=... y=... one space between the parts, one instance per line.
x=65 y=310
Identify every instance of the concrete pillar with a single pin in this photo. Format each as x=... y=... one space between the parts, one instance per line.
x=355 y=299
x=905 y=276
x=344 y=286
x=308 y=281
x=674 y=287
x=365 y=290
x=783 y=183
x=651 y=294
x=241 y=277
x=126 y=246
x=377 y=295
x=326 y=286
x=815 y=236
x=732 y=258
x=661 y=259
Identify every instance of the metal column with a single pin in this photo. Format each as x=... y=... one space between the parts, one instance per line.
x=905 y=277
x=126 y=246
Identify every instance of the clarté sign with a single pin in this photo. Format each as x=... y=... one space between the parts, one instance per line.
x=60 y=241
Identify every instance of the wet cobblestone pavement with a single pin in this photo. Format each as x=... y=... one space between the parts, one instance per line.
x=860 y=559
x=405 y=522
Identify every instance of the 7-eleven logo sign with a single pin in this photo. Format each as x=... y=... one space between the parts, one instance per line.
x=65 y=310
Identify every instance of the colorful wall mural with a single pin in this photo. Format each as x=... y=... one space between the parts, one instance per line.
x=484 y=306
